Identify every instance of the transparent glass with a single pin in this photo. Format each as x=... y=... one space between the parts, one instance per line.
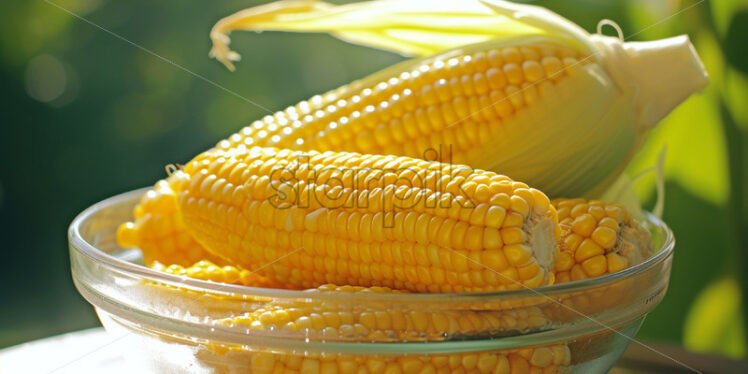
x=183 y=325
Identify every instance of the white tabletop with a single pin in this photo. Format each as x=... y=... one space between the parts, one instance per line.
x=94 y=352
x=81 y=352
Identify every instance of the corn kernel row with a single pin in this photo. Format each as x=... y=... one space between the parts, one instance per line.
x=206 y=270
x=552 y=359
x=334 y=320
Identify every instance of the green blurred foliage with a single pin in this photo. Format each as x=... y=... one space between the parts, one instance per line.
x=709 y=328
x=87 y=115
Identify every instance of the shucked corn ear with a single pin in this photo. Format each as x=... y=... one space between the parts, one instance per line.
x=608 y=239
x=597 y=238
x=537 y=98
x=549 y=359
x=310 y=218
x=345 y=320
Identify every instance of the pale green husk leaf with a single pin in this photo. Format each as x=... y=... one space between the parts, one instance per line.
x=408 y=27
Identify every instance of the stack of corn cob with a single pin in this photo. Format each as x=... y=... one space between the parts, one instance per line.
x=406 y=181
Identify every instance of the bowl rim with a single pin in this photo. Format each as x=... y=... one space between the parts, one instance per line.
x=82 y=246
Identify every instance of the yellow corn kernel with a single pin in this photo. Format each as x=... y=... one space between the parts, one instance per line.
x=588 y=248
x=604 y=236
x=251 y=178
x=583 y=225
x=597 y=238
x=595 y=266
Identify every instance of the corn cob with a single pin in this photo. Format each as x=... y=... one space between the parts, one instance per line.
x=597 y=238
x=313 y=218
x=206 y=270
x=551 y=359
x=347 y=321
x=452 y=107
x=159 y=232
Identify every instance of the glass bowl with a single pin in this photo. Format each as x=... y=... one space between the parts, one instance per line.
x=182 y=325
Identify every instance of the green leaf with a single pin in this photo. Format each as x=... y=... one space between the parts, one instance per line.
x=735 y=95
x=722 y=12
x=645 y=13
x=714 y=323
x=737 y=37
